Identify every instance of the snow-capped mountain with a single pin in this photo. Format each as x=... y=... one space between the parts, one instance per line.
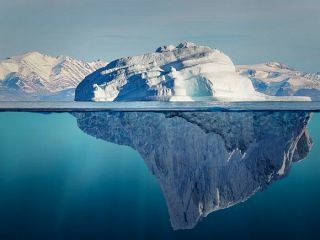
x=186 y=72
x=33 y=75
x=277 y=79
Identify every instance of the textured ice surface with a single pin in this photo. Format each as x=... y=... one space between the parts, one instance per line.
x=206 y=161
x=182 y=73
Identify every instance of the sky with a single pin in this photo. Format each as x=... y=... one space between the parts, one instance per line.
x=249 y=31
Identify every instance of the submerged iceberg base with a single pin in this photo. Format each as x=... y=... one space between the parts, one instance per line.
x=206 y=161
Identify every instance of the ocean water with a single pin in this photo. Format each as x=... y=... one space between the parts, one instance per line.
x=148 y=175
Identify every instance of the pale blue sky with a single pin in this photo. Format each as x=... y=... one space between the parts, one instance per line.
x=249 y=31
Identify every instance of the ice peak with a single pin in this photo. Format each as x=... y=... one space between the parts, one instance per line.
x=277 y=65
x=165 y=48
x=63 y=58
x=32 y=53
x=186 y=44
x=170 y=47
x=37 y=57
x=32 y=57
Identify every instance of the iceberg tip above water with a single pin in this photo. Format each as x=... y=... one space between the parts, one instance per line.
x=186 y=72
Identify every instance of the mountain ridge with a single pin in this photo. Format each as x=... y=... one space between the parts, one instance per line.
x=33 y=74
x=278 y=79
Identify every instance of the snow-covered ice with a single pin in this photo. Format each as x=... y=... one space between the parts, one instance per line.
x=186 y=72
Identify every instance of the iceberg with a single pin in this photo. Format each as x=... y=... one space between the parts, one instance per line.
x=187 y=72
x=207 y=161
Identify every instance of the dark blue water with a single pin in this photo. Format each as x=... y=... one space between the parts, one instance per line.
x=57 y=182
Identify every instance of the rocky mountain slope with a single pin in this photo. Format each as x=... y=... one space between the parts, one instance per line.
x=33 y=76
x=277 y=79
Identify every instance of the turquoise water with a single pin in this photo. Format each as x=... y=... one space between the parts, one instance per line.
x=56 y=182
